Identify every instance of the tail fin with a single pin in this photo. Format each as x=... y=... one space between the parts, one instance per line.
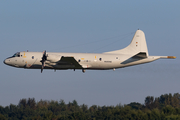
x=137 y=45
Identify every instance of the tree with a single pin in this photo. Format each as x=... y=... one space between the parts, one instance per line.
x=2 y=117
x=31 y=103
x=149 y=101
x=22 y=103
x=84 y=107
x=62 y=103
x=74 y=103
x=135 y=105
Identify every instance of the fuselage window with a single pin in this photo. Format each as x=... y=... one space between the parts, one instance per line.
x=79 y=60
x=100 y=59
x=32 y=57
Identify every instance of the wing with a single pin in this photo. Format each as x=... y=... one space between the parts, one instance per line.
x=71 y=61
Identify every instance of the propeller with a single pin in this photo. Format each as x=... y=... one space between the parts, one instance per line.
x=44 y=58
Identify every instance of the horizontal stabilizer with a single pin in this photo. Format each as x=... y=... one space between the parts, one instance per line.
x=140 y=55
x=137 y=57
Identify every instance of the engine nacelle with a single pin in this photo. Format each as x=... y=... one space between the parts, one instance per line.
x=53 y=58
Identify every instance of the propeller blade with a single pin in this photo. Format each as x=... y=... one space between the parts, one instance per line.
x=41 y=70
x=44 y=58
x=42 y=67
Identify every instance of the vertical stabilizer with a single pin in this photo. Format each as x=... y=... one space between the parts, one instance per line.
x=137 y=45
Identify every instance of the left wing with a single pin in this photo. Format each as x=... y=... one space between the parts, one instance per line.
x=71 y=61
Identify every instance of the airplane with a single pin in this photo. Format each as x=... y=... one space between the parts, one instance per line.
x=135 y=53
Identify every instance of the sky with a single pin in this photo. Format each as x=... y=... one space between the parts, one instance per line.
x=84 y=27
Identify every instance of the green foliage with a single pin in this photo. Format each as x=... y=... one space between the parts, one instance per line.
x=135 y=105
x=165 y=107
x=2 y=117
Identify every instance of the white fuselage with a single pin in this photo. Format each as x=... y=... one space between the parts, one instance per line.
x=32 y=60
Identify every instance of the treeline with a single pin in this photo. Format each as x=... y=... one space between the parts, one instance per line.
x=165 y=107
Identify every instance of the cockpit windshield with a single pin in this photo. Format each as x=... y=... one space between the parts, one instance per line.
x=16 y=54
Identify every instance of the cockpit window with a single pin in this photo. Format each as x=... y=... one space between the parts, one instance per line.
x=16 y=54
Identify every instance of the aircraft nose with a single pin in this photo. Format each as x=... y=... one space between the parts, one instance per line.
x=6 y=61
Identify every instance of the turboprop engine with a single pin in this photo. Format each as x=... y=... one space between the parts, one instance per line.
x=53 y=58
x=49 y=58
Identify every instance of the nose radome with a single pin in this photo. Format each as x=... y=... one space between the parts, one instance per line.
x=5 y=61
